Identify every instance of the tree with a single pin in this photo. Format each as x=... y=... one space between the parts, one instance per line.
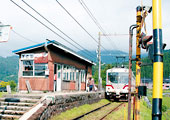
x=3 y=84
x=12 y=84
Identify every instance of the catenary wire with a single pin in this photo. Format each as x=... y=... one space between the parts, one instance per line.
x=44 y=24
x=88 y=52
x=79 y=23
x=96 y=21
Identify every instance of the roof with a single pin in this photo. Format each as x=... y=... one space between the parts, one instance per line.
x=56 y=44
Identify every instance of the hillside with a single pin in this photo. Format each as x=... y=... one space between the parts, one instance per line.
x=9 y=68
x=107 y=57
x=9 y=65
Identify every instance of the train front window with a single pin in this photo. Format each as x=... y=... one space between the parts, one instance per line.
x=116 y=77
x=124 y=77
x=113 y=77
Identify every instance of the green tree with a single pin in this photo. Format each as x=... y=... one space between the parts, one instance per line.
x=12 y=84
x=104 y=68
x=3 y=84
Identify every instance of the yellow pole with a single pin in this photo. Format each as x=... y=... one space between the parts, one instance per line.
x=138 y=58
x=158 y=61
x=124 y=112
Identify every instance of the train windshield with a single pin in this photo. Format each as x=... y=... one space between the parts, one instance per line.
x=117 y=77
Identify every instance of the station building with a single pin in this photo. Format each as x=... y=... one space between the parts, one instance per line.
x=52 y=66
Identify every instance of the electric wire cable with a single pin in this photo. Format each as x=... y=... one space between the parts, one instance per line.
x=23 y=37
x=95 y=21
x=88 y=52
x=44 y=24
x=79 y=23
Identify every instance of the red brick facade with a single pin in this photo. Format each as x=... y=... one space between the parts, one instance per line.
x=47 y=82
x=37 y=83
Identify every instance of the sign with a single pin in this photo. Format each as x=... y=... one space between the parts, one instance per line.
x=4 y=32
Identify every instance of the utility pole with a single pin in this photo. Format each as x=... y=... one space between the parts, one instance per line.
x=130 y=68
x=158 y=61
x=138 y=58
x=99 y=60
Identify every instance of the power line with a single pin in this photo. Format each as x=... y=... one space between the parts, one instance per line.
x=79 y=23
x=57 y=28
x=44 y=24
x=23 y=37
x=95 y=20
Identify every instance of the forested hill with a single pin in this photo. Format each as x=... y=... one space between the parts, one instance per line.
x=107 y=57
x=9 y=68
x=9 y=65
x=147 y=71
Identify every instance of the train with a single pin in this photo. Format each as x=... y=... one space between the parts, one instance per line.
x=117 y=83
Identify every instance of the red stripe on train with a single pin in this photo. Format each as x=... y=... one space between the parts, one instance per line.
x=110 y=86
x=125 y=86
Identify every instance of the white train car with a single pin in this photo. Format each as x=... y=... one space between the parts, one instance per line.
x=117 y=83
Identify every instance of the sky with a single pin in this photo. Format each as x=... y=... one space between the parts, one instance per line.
x=115 y=17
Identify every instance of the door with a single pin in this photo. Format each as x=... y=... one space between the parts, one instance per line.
x=80 y=78
x=55 y=77
x=77 y=79
x=59 y=70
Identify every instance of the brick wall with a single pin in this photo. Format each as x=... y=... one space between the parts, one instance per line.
x=72 y=85
x=36 y=83
x=83 y=86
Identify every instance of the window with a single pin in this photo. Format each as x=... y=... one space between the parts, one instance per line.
x=71 y=76
x=59 y=74
x=28 y=68
x=77 y=75
x=67 y=76
x=31 y=69
x=40 y=69
x=82 y=76
x=115 y=77
x=64 y=76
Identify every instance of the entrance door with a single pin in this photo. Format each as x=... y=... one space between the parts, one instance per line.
x=77 y=80
x=55 y=77
x=59 y=77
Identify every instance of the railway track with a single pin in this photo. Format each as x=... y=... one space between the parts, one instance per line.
x=114 y=109
x=98 y=109
x=77 y=118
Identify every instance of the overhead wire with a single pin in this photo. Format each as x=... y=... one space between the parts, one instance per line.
x=78 y=23
x=44 y=24
x=23 y=37
x=95 y=21
x=57 y=28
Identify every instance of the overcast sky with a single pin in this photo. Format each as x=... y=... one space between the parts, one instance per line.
x=115 y=16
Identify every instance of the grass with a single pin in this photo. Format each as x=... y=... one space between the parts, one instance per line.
x=2 y=93
x=121 y=114
x=145 y=112
x=165 y=104
x=77 y=111
x=99 y=114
